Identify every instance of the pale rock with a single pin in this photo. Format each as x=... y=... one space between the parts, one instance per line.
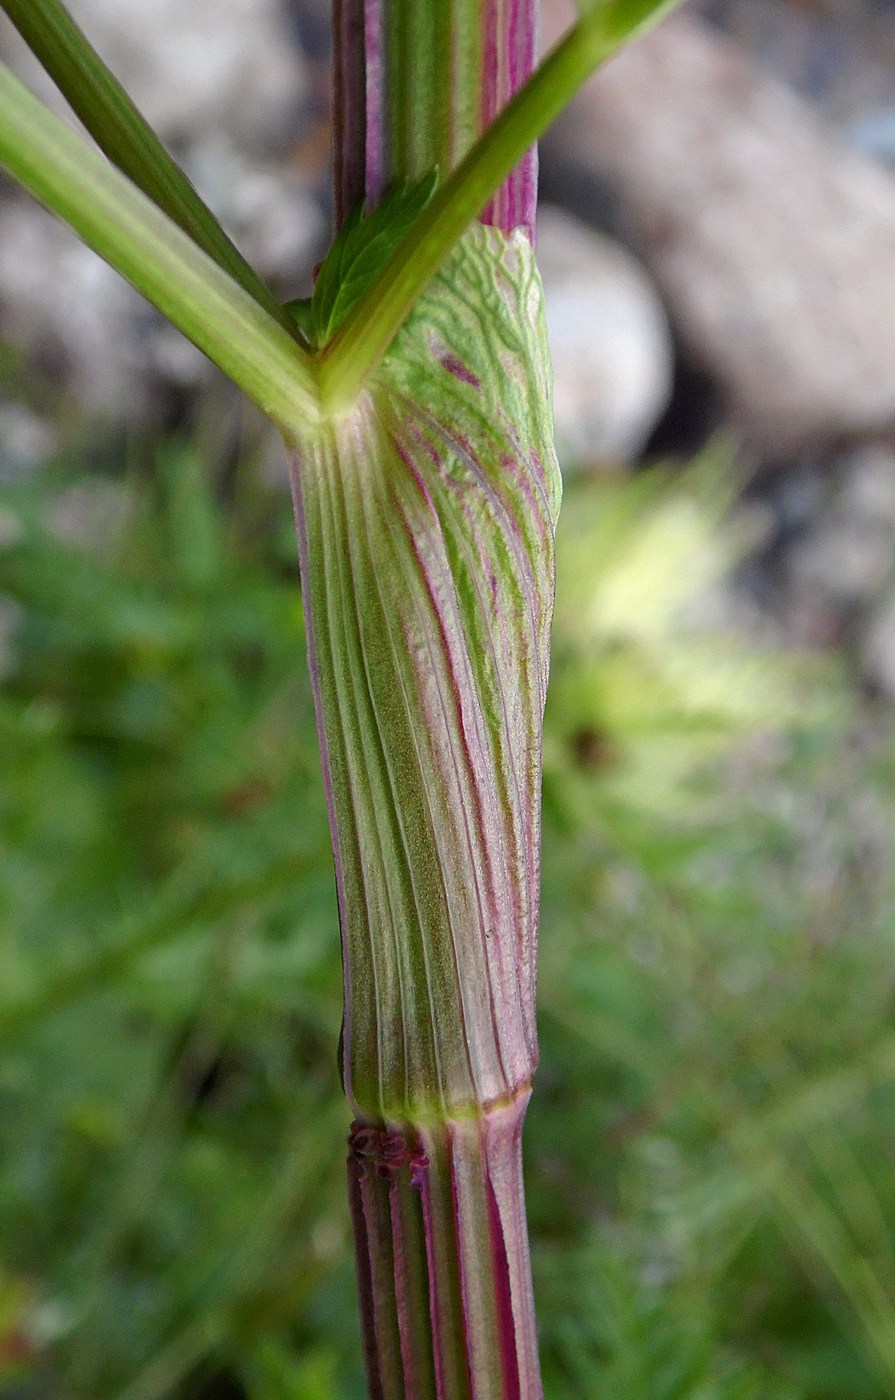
x=26 y=442
x=61 y=305
x=836 y=53
x=879 y=649
x=773 y=247
x=609 y=340
x=90 y=514
x=265 y=205
x=844 y=561
x=204 y=66
x=868 y=490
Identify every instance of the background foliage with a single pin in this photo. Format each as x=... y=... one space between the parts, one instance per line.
x=709 y=1153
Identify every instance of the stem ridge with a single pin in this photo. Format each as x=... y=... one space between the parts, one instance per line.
x=442 y=1258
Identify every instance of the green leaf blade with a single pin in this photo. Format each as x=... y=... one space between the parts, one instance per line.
x=361 y=250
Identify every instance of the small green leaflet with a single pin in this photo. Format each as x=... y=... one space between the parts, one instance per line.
x=363 y=246
x=300 y=312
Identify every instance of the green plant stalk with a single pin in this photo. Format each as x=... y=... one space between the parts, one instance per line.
x=425 y=522
x=442 y=1258
x=425 y=525
x=426 y=519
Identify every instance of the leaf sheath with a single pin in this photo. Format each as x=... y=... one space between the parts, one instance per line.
x=425 y=520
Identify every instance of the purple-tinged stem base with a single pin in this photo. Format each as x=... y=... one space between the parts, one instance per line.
x=416 y=82
x=442 y=1259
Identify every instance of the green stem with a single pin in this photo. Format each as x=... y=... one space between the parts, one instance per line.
x=119 y=130
x=368 y=332
x=121 y=224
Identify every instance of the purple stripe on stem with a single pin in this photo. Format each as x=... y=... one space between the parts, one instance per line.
x=364 y=107
x=514 y=23
x=427 y=1204
x=349 y=105
x=376 y=99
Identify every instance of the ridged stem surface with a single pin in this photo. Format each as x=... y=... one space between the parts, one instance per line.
x=417 y=81
x=426 y=514
x=425 y=523
x=426 y=519
x=442 y=1259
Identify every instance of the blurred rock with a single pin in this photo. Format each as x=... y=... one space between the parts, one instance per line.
x=839 y=56
x=879 y=649
x=26 y=441
x=266 y=205
x=773 y=248
x=610 y=342
x=223 y=83
x=222 y=67
x=90 y=514
x=835 y=53
x=828 y=571
x=846 y=561
x=849 y=555
x=68 y=311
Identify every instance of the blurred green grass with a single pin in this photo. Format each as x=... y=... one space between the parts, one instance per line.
x=710 y=1155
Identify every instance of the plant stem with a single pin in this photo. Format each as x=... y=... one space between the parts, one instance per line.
x=426 y=546
x=442 y=1258
x=425 y=520
x=121 y=224
x=417 y=84
x=368 y=332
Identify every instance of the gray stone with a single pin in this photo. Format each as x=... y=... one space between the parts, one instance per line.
x=60 y=304
x=773 y=248
x=609 y=338
x=90 y=514
x=26 y=441
x=868 y=490
x=836 y=53
x=193 y=67
x=265 y=204
x=221 y=81
x=879 y=649
x=846 y=561
x=846 y=556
